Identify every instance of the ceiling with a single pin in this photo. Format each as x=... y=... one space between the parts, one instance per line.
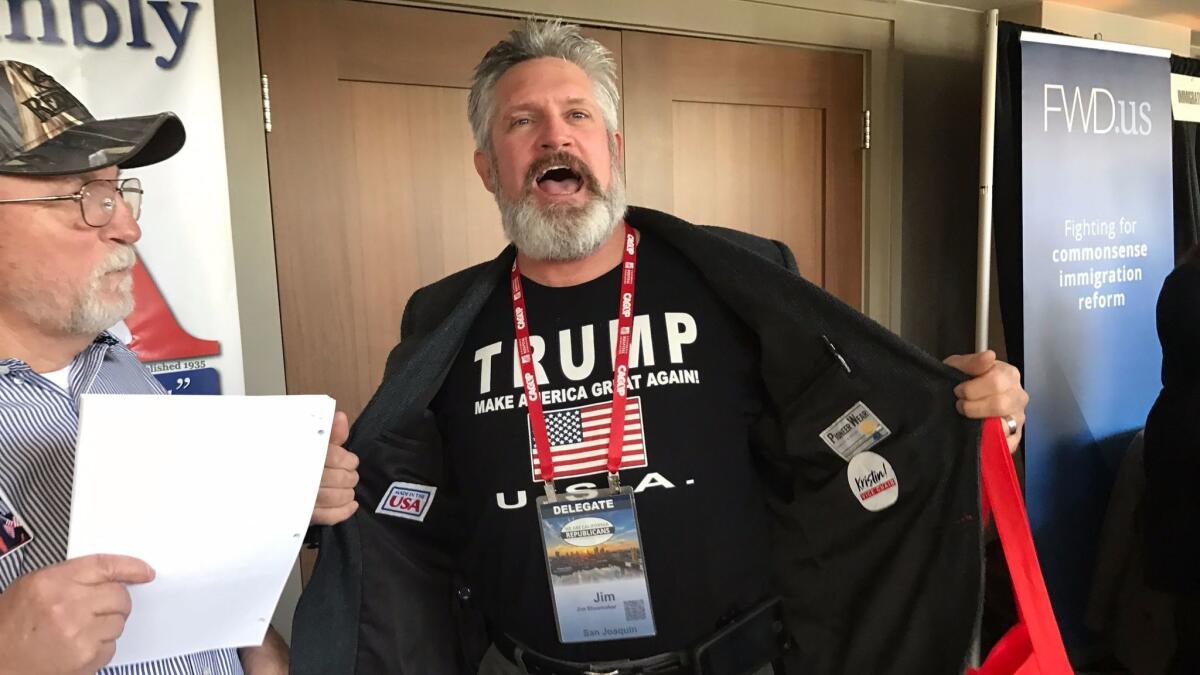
x=1180 y=12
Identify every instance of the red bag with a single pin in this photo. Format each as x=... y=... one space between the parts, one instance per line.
x=1034 y=646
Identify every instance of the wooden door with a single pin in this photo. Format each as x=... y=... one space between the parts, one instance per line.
x=373 y=189
x=374 y=194
x=760 y=138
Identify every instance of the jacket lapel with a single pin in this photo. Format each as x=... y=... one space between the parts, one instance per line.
x=417 y=366
x=792 y=317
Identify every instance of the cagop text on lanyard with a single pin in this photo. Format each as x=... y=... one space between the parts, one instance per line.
x=537 y=417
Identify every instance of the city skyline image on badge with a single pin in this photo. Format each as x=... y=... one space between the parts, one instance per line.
x=591 y=548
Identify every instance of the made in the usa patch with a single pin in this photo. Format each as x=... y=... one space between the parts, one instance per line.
x=407 y=500
x=855 y=430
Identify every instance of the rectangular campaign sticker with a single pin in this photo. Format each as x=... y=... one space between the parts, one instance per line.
x=597 y=572
x=14 y=533
x=407 y=500
x=855 y=430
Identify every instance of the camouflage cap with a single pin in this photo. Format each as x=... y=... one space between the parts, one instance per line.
x=46 y=131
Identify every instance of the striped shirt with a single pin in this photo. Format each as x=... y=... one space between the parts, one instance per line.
x=38 y=425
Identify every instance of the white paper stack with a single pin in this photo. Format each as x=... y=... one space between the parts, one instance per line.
x=214 y=492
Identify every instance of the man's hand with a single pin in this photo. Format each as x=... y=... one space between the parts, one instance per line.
x=335 y=500
x=994 y=390
x=65 y=619
x=271 y=658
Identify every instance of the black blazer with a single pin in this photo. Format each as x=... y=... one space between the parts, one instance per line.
x=1171 y=507
x=898 y=591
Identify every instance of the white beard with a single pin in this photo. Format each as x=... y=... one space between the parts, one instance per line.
x=90 y=314
x=561 y=233
x=86 y=311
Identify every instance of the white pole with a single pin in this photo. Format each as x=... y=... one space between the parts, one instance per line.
x=983 y=274
x=987 y=145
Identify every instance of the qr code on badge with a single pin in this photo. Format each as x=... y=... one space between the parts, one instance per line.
x=635 y=610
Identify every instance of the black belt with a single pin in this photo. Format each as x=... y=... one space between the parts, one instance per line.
x=752 y=641
x=670 y=663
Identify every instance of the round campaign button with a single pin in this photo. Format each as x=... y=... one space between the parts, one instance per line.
x=872 y=481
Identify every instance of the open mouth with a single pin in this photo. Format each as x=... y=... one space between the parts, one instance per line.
x=559 y=180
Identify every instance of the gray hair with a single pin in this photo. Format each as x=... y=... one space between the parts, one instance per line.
x=537 y=39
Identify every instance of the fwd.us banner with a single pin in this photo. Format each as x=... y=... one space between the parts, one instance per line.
x=1097 y=244
x=136 y=57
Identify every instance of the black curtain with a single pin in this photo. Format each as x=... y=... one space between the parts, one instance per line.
x=1187 y=169
x=1006 y=187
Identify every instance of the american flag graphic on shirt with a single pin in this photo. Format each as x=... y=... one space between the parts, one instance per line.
x=579 y=439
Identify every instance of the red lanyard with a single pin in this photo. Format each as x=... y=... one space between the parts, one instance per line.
x=537 y=418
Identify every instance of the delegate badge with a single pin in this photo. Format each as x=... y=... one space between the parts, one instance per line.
x=597 y=572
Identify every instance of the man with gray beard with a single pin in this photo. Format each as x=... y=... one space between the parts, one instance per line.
x=68 y=225
x=806 y=484
x=560 y=232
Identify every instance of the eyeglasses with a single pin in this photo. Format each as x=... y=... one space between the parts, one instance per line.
x=97 y=199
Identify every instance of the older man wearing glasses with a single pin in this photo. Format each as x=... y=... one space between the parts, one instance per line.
x=64 y=279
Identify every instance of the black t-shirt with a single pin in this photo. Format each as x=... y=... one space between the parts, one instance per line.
x=696 y=392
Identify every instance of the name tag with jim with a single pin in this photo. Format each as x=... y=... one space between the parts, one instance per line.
x=597 y=572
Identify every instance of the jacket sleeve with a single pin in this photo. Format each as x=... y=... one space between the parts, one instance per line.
x=1178 y=320
x=380 y=600
x=1170 y=513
